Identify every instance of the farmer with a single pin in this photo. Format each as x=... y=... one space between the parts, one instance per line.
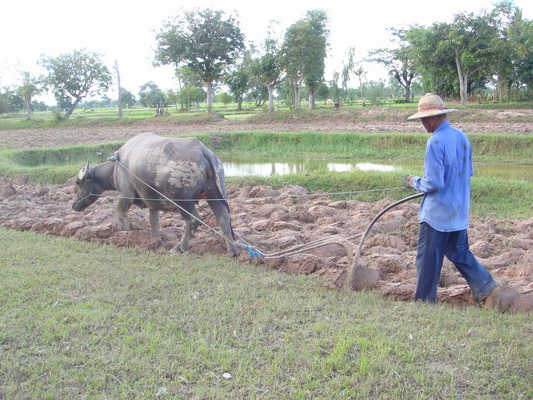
x=445 y=207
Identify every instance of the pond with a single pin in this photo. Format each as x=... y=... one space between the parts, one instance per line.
x=262 y=166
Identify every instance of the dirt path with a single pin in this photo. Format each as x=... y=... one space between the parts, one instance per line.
x=500 y=121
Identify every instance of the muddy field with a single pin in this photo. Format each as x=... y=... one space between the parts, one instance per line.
x=276 y=220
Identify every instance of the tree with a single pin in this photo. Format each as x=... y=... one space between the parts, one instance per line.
x=128 y=99
x=304 y=50
x=187 y=77
x=323 y=93
x=258 y=94
x=151 y=96
x=360 y=72
x=172 y=97
x=38 y=105
x=202 y=40
x=224 y=98
x=314 y=73
x=347 y=69
x=467 y=46
x=470 y=40
x=238 y=84
x=28 y=89
x=75 y=76
x=119 y=88
x=516 y=62
x=268 y=68
x=10 y=101
x=191 y=94
x=398 y=61
x=238 y=80
x=376 y=92
x=335 y=91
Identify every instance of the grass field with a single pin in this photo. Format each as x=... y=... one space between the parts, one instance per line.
x=84 y=321
x=81 y=320
x=109 y=116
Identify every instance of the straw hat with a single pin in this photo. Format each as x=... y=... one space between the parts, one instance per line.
x=430 y=105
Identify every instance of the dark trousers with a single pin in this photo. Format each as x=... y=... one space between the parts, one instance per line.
x=432 y=247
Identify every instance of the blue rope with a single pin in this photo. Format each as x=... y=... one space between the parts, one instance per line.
x=252 y=252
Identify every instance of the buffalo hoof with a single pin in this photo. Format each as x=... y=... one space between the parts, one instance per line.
x=158 y=236
x=181 y=248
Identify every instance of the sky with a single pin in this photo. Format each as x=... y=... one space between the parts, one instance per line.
x=125 y=30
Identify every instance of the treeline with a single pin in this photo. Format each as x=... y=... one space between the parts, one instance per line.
x=488 y=54
x=475 y=52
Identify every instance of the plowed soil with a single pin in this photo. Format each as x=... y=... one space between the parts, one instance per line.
x=277 y=220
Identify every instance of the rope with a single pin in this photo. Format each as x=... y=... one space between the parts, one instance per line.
x=252 y=251
x=288 y=196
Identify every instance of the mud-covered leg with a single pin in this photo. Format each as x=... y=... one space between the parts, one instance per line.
x=123 y=206
x=154 y=223
x=191 y=225
x=223 y=217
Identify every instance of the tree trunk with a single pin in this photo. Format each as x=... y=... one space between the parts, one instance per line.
x=72 y=108
x=270 y=88
x=119 y=104
x=297 y=100
x=209 y=96
x=312 y=100
x=28 y=107
x=407 y=93
x=361 y=90
x=463 y=81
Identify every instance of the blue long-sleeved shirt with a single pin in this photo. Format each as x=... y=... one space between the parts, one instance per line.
x=446 y=182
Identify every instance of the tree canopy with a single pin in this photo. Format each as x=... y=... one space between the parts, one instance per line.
x=74 y=76
x=204 y=41
x=268 y=67
x=304 y=49
x=398 y=61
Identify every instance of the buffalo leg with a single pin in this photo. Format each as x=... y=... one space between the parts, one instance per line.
x=191 y=225
x=123 y=206
x=220 y=209
x=154 y=223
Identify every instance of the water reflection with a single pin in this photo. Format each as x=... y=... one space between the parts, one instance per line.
x=253 y=166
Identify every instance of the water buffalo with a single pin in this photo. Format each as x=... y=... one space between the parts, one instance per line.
x=148 y=170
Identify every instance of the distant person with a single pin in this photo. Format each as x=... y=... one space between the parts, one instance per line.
x=445 y=207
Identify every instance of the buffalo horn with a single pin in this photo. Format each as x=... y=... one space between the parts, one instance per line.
x=84 y=172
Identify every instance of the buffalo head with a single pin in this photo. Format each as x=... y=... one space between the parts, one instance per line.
x=85 y=196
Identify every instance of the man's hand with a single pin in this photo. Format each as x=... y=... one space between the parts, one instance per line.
x=407 y=181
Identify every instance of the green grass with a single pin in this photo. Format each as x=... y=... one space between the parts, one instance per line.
x=486 y=147
x=494 y=197
x=81 y=320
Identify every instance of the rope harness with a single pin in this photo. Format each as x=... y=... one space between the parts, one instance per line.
x=346 y=278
